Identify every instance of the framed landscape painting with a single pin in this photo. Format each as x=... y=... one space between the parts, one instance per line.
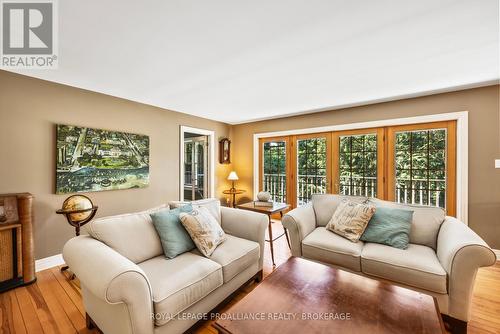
x=97 y=160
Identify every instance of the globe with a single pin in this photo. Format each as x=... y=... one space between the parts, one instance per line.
x=75 y=203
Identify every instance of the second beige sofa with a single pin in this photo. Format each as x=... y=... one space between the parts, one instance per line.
x=442 y=259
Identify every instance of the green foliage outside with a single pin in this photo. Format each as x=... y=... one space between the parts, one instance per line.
x=358 y=165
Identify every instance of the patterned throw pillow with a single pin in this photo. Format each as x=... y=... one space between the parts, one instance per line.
x=350 y=219
x=204 y=229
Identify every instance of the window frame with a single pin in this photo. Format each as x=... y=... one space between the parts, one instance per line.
x=385 y=156
x=293 y=162
x=450 y=168
x=288 y=174
x=381 y=153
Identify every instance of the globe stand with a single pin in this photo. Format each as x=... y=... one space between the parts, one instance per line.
x=77 y=225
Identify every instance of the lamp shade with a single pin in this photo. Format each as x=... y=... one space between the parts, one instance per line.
x=233 y=176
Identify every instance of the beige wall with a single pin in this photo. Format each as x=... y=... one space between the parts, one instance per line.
x=484 y=144
x=29 y=110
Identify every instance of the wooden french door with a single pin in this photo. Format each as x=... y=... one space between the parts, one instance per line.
x=358 y=166
x=422 y=165
x=274 y=165
x=414 y=164
x=310 y=166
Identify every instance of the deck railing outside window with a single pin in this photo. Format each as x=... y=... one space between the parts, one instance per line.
x=421 y=195
x=362 y=186
x=307 y=185
x=275 y=184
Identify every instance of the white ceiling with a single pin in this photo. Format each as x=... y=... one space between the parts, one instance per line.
x=237 y=61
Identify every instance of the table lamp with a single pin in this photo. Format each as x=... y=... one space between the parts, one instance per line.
x=233 y=177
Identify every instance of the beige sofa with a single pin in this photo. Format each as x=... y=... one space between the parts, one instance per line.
x=441 y=260
x=129 y=286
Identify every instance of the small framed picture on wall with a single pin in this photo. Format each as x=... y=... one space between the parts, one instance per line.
x=225 y=151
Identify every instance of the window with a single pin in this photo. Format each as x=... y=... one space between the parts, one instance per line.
x=274 y=169
x=422 y=166
x=357 y=155
x=311 y=168
x=358 y=165
x=412 y=164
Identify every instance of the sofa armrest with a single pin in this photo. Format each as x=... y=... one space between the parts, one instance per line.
x=299 y=222
x=461 y=252
x=113 y=278
x=247 y=225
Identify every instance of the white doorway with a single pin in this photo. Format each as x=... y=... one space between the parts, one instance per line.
x=197 y=163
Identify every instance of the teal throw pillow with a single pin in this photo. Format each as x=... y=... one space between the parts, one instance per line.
x=175 y=240
x=390 y=227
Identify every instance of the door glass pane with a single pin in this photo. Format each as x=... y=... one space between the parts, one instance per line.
x=274 y=170
x=311 y=168
x=358 y=165
x=200 y=158
x=421 y=167
x=188 y=177
x=195 y=166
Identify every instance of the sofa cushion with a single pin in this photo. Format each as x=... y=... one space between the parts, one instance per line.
x=325 y=205
x=417 y=266
x=174 y=238
x=350 y=219
x=117 y=231
x=235 y=255
x=389 y=226
x=426 y=221
x=325 y=246
x=212 y=204
x=204 y=229
x=180 y=282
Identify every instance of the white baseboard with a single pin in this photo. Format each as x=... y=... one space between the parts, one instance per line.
x=49 y=262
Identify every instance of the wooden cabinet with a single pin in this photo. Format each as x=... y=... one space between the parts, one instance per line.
x=17 y=263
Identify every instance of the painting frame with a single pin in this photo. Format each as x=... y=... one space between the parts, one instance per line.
x=91 y=159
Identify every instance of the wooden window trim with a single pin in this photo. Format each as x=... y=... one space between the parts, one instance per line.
x=385 y=159
x=451 y=148
x=294 y=167
x=288 y=168
x=380 y=132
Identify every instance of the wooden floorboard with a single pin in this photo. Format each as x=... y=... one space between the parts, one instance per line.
x=28 y=311
x=54 y=304
x=71 y=289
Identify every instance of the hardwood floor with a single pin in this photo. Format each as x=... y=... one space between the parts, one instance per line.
x=54 y=305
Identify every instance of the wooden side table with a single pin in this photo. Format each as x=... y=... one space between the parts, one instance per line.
x=269 y=210
x=233 y=192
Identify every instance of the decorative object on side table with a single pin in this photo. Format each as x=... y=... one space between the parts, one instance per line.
x=225 y=151
x=233 y=177
x=264 y=196
x=78 y=210
x=233 y=191
x=269 y=211
x=17 y=261
x=264 y=199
